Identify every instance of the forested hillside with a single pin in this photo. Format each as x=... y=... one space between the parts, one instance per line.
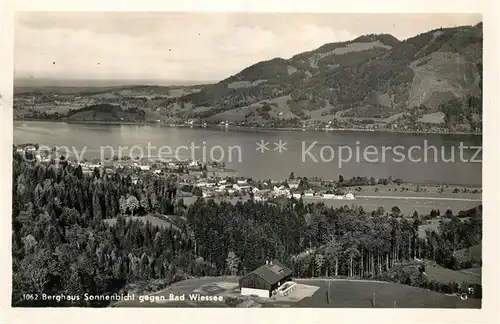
x=61 y=245
x=106 y=113
x=374 y=76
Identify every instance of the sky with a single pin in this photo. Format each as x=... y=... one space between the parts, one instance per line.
x=191 y=47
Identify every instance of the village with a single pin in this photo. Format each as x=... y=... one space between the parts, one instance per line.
x=196 y=179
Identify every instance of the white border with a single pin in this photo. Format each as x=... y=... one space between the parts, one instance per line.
x=489 y=312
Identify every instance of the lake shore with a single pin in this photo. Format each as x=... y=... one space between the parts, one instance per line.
x=244 y=128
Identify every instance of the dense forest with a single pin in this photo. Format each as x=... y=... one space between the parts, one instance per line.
x=61 y=243
x=107 y=112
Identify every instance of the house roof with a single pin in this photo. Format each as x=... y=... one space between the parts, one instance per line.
x=273 y=272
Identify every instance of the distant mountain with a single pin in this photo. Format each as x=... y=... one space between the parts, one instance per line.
x=376 y=76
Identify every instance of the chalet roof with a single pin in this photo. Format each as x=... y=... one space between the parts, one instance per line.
x=273 y=272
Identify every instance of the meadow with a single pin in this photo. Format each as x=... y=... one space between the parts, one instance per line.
x=343 y=293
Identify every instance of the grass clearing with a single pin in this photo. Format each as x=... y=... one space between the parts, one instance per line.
x=474 y=253
x=447 y=275
x=160 y=220
x=434 y=118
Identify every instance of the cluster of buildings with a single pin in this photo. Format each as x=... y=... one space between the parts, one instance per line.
x=195 y=174
x=262 y=191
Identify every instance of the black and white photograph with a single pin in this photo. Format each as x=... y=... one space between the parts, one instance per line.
x=247 y=160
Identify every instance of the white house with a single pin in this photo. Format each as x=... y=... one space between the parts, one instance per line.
x=297 y=195
x=242 y=182
x=309 y=193
x=349 y=196
x=293 y=184
x=281 y=191
x=257 y=198
x=328 y=195
x=194 y=163
x=205 y=184
x=91 y=165
x=86 y=170
x=144 y=167
x=266 y=280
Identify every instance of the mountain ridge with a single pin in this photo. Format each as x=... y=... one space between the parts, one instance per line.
x=432 y=81
x=371 y=76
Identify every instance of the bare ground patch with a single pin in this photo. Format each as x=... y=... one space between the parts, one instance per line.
x=301 y=291
x=434 y=118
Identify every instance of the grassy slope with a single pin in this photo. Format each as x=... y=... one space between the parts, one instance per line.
x=343 y=293
x=358 y=294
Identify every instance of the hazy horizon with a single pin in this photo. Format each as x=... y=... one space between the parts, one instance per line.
x=186 y=48
x=89 y=82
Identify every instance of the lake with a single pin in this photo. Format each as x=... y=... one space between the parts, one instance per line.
x=431 y=158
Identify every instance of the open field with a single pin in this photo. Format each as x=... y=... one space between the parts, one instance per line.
x=476 y=271
x=407 y=206
x=50 y=108
x=347 y=293
x=425 y=190
x=343 y=293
